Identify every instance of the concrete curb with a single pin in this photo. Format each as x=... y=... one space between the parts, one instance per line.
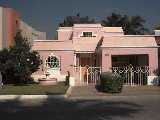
x=45 y=97
x=30 y=97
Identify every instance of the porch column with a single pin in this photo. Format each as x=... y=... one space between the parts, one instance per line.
x=153 y=61
x=75 y=59
x=106 y=62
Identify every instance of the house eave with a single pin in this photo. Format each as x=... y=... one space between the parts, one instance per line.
x=84 y=51
x=130 y=46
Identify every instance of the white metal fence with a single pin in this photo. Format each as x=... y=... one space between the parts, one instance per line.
x=133 y=75
x=88 y=75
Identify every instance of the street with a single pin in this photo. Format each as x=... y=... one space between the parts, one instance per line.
x=107 y=108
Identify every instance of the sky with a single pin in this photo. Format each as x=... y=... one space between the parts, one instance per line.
x=45 y=15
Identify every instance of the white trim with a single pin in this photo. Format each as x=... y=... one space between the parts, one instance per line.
x=131 y=47
x=84 y=51
x=64 y=30
x=113 y=33
x=54 y=50
x=96 y=25
x=134 y=35
x=75 y=59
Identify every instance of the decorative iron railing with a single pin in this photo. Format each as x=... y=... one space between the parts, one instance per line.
x=88 y=75
x=133 y=75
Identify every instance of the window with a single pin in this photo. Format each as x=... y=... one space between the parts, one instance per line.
x=87 y=34
x=52 y=62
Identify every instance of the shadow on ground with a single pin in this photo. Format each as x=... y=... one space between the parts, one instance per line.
x=64 y=109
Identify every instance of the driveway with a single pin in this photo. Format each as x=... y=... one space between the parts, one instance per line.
x=92 y=92
x=108 y=108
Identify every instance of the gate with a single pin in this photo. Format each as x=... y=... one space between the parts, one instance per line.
x=88 y=75
x=133 y=75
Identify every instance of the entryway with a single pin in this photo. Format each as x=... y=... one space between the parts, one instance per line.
x=88 y=75
x=87 y=71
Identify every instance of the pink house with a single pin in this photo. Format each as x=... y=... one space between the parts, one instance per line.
x=86 y=50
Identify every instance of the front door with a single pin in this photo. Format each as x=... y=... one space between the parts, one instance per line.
x=53 y=66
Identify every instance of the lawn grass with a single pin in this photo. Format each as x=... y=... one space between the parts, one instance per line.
x=34 y=89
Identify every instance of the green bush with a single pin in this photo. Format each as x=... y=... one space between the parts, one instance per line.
x=157 y=73
x=18 y=62
x=111 y=83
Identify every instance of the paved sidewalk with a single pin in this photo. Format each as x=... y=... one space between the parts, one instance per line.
x=90 y=91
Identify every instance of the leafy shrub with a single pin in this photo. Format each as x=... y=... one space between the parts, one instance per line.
x=111 y=83
x=157 y=73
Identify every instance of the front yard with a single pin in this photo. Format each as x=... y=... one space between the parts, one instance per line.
x=34 y=89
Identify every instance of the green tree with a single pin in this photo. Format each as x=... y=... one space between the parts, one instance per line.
x=19 y=61
x=133 y=25
x=69 y=21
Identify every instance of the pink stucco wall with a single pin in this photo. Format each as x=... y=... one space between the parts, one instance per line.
x=9 y=24
x=12 y=25
x=108 y=52
x=78 y=33
x=67 y=60
x=64 y=33
x=105 y=42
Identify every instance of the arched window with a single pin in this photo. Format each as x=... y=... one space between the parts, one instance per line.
x=53 y=62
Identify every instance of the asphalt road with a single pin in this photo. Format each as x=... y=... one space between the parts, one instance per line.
x=117 y=108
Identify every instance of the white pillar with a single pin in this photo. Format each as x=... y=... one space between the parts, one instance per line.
x=75 y=59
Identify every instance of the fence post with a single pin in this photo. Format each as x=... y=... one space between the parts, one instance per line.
x=80 y=76
x=1 y=82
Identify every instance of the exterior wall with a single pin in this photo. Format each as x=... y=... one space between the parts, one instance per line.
x=65 y=33
x=1 y=26
x=30 y=33
x=158 y=43
x=41 y=35
x=108 y=52
x=12 y=23
x=4 y=28
x=78 y=32
x=9 y=24
x=75 y=33
x=66 y=60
